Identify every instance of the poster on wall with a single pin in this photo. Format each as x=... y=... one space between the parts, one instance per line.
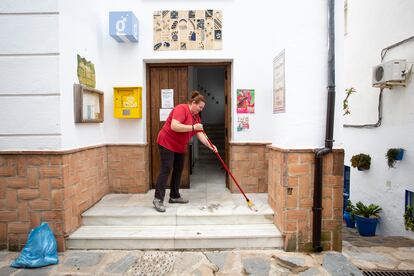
x=187 y=30
x=86 y=72
x=279 y=83
x=167 y=98
x=243 y=123
x=164 y=113
x=91 y=109
x=245 y=100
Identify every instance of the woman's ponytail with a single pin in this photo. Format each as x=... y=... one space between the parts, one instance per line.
x=196 y=97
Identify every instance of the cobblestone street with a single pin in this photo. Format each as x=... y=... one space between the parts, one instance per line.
x=371 y=253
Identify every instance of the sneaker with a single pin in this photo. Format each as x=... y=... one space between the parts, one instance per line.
x=178 y=200
x=159 y=206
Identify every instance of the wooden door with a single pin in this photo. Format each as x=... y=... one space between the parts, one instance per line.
x=175 y=78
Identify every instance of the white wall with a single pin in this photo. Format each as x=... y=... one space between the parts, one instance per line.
x=306 y=44
x=252 y=36
x=251 y=44
x=29 y=86
x=84 y=29
x=387 y=23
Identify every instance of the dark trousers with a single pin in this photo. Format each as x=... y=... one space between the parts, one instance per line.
x=174 y=160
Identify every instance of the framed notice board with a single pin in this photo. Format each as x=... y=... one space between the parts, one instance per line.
x=88 y=104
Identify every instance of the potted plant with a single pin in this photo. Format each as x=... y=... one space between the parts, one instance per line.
x=349 y=214
x=394 y=154
x=366 y=218
x=361 y=161
x=409 y=218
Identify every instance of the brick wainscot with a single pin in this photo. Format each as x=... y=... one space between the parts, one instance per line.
x=287 y=175
x=58 y=186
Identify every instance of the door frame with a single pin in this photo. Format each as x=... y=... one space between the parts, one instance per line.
x=227 y=103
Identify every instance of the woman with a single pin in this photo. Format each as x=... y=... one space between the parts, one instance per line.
x=182 y=123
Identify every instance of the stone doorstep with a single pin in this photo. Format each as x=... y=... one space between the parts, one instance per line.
x=183 y=227
x=183 y=215
x=176 y=237
x=127 y=222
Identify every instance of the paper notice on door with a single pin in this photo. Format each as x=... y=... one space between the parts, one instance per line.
x=167 y=98
x=164 y=113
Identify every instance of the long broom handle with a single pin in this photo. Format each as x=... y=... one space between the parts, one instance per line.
x=226 y=168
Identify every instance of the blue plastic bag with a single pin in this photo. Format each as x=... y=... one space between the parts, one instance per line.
x=40 y=249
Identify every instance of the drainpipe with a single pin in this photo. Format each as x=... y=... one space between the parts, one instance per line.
x=320 y=153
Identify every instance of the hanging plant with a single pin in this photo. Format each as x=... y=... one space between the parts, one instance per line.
x=409 y=218
x=345 y=105
x=361 y=161
x=394 y=154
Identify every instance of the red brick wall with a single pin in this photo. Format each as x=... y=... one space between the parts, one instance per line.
x=85 y=179
x=31 y=191
x=128 y=168
x=291 y=174
x=249 y=165
x=57 y=187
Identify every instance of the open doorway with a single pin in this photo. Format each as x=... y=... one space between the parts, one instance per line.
x=210 y=82
x=213 y=81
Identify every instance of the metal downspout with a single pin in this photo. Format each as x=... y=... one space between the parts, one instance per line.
x=317 y=195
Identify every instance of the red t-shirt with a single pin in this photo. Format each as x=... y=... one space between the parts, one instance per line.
x=177 y=141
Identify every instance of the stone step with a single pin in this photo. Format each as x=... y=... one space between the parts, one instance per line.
x=211 y=160
x=183 y=215
x=218 y=145
x=213 y=126
x=209 y=152
x=215 y=133
x=176 y=237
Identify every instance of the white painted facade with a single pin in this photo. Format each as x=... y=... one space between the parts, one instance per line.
x=372 y=26
x=29 y=65
x=40 y=40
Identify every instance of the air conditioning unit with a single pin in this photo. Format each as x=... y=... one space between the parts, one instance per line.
x=389 y=73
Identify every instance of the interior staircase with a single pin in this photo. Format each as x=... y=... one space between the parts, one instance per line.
x=215 y=133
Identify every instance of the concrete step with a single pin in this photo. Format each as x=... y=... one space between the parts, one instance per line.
x=176 y=237
x=183 y=215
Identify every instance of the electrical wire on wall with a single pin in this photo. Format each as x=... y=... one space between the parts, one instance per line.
x=383 y=53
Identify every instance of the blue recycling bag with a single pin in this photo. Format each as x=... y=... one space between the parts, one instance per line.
x=40 y=249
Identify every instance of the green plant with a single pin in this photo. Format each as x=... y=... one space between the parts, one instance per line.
x=391 y=155
x=345 y=105
x=361 y=161
x=370 y=211
x=409 y=218
x=350 y=207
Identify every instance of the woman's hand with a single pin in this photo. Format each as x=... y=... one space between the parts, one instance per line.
x=214 y=148
x=198 y=127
